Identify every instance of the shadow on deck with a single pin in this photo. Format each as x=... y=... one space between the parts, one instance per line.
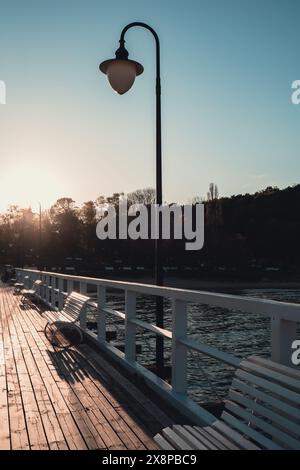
x=65 y=399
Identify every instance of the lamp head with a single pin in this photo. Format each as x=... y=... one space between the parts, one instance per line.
x=121 y=71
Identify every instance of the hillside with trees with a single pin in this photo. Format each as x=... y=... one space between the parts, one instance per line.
x=250 y=236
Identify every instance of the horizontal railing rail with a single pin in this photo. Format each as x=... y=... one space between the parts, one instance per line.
x=284 y=319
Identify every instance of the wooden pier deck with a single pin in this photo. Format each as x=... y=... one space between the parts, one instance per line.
x=65 y=399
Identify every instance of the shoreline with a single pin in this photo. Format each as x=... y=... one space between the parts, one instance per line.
x=216 y=286
x=197 y=284
x=220 y=286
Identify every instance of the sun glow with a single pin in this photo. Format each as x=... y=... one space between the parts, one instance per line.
x=28 y=185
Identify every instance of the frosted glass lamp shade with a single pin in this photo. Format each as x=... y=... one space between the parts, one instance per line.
x=121 y=73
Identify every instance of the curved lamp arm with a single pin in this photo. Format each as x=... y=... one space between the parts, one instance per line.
x=144 y=25
x=122 y=51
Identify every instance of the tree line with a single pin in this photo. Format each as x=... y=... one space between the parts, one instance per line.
x=249 y=235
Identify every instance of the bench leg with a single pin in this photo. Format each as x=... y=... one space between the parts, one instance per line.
x=54 y=332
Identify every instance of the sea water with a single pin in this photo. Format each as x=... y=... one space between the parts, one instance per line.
x=232 y=331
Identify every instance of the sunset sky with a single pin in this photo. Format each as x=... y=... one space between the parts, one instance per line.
x=227 y=70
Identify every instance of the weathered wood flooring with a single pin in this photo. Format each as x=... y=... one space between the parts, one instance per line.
x=65 y=399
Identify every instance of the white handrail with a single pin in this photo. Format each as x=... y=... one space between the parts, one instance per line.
x=284 y=318
x=264 y=307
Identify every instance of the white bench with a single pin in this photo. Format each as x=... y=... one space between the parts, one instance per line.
x=34 y=292
x=262 y=411
x=68 y=318
x=18 y=286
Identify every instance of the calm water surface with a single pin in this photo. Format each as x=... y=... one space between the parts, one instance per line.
x=231 y=331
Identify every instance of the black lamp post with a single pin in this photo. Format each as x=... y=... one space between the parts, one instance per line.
x=19 y=260
x=121 y=73
x=40 y=237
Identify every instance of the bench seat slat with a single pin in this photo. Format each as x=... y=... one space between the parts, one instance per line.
x=284 y=408
x=258 y=437
x=219 y=437
x=163 y=443
x=278 y=389
x=75 y=304
x=188 y=437
x=263 y=425
x=28 y=292
x=264 y=411
x=209 y=441
x=274 y=376
x=287 y=371
x=50 y=316
x=175 y=440
x=235 y=435
x=70 y=314
x=33 y=291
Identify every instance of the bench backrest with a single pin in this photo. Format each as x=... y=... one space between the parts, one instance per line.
x=264 y=403
x=37 y=283
x=74 y=305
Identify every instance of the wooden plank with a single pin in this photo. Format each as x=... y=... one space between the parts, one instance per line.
x=72 y=407
x=18 y=431
x=146 y=413
x=50 y=421
x=66 y=399
x=68 y=423
x=113 y=409
x=122 y=434
x=130 y=389
x=129 y=442
x=5 y=443
x=36 y=434
x=104 y=434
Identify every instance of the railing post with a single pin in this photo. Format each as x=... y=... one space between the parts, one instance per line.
x=130 y=328
x=44 y=289
x=83 y=288
x=70 y=286
x=60 y=293
x=283 y=333
x=48 y=289
x=82 y=319
x=101 y=318
x=179 y=353
x=53 y=292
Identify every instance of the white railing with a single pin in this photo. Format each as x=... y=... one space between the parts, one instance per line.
x=284 y=319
